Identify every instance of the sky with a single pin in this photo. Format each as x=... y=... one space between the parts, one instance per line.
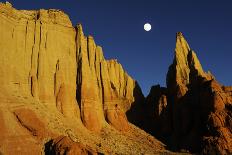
x=117 y=26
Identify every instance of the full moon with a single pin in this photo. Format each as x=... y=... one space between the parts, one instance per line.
x=147 y=27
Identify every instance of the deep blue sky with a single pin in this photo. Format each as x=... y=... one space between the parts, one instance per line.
x=117 y=25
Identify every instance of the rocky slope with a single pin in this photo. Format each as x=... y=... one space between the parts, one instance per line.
x=194 y=112
x=58 y=94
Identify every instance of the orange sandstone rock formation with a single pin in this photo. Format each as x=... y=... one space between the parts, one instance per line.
x=103 y=87
x=58 y=93
x=194 y=111
x=47 y=59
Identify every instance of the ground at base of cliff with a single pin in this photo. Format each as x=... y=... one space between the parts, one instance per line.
x=28 y=124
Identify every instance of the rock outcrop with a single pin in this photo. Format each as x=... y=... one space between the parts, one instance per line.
x=63 y=145
x=56 y=81
x=194 y=112
x=185 y=70
x=38 y=53
x=104 y=90
x=44 y=57
x=59 y=95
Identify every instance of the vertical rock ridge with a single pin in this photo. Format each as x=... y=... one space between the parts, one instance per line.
x=35 y=61
x=91 y=109
x=104 y=86
x=191 y=112
x=186 y=67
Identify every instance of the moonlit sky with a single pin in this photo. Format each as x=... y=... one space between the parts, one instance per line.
x=117 y=25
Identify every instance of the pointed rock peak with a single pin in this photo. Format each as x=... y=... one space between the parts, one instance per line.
x=179 y=71
x=179 y=35
x=186 y=67
x=182 y=47
x=80 y=29
x=187 y=55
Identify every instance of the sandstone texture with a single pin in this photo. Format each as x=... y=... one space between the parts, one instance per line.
x=64 y=145
x=194 y=112
x=104 y=89
x=58 y=94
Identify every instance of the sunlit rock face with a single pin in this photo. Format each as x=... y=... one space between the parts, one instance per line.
x=194 y=112
x=59 y=95
x=38 y=53
x=44 y=57
x=103 y=87
x=51 y=75
x=185 y=70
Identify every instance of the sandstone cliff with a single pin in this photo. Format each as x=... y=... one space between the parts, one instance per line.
x=104 y=88
x=45 y=58
x=58 y=93
x=194 y=112
x=35 y=61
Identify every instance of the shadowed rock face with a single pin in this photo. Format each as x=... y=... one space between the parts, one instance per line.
x=194 y=111
x=157 y=110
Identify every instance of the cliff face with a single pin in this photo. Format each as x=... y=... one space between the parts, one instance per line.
x=194 y=111
x=55 y=83
x=104 y=88
x=59 y=95
x=38 y=53
x=44 y=57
